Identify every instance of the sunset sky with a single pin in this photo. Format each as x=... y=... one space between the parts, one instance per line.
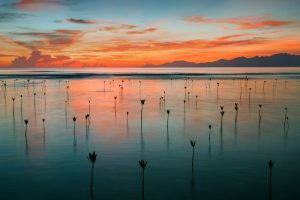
x=76 y=33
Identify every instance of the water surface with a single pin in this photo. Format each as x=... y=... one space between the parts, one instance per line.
x=231 y=165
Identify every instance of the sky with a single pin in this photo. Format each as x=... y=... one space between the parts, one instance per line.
x=119 y=33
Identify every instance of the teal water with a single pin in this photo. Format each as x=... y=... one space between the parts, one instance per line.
x=233 y=165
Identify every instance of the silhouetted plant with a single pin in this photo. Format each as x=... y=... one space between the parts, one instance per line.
x=222 y=114
x=26 y=122
x=92 y=158
x=143 y=165
x=196 y=100
x=142 y=103
x=270 y=164
x=286 y=124
x=89 y=107
x=115 y=98
x=44 y=130
x=285 y=114
x=160 y=103
x=168 y=115
x=104 y=86
x=43 y=120
x=74 y=120
x=34 y=94
x=264 y=86
x=249 y=94
x=193 y=143
x=86 y=123
x=26 y=141
x=21 y=103
x=218 y=84
x=68 y=96
x=236 y=107
x=184 y=92
x=13 y=99
x=66 y=113
x=209 y=133
x=259 y=111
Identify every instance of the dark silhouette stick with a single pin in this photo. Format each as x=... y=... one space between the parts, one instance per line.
x=209 y=133
x=44 y=131
x=193 y=143
x=143 y=165
x=13 y=100
x=142 y=103
x=168 y=115
x=92 y=158
x=270 y=164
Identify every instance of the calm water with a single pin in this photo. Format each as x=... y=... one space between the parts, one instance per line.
x=232 y=165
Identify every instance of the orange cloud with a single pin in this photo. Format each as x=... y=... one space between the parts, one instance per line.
x=36 y=5
x=117 y=27
x=138 y=52
x=36 y=59
x=232 y=40
x=241 y=23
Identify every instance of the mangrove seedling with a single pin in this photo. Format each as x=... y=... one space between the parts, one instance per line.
x=13 y=99
x=249 y=94
x=209 y=133
x=222 y=114
x=74 y=120
x=236 y=107
x=193 y=143
x=270 y=165
x=26 y=122
x=142 y=103
x=92 y=158
x=143 y=165
x=259 y=111
x=44 y=130
x=86 y=123
x=168 y=115
x=115 y=98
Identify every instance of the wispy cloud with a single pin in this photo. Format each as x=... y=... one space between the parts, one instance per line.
x=9 y=16
x=147 y=30
x=117 y=27
x=241 y=23
x=230 y=40
x=81 y=21
x=40 y=40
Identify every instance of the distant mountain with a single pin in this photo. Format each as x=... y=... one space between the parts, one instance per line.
x=276 y=60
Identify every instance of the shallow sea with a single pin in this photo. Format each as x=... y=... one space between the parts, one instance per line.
x=50 y=162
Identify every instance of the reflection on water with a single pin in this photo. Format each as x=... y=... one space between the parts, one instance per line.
x=49 y=153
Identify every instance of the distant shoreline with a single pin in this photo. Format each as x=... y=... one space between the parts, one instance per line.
x=141 y=67
x=170 y=75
